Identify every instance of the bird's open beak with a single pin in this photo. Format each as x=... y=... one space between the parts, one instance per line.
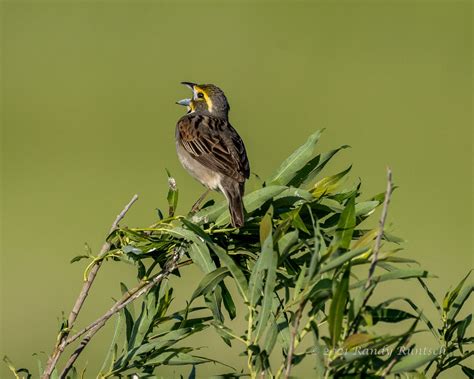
x=189 y=85
x=184 y=102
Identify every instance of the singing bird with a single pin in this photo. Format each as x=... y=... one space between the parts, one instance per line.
x=210 y=149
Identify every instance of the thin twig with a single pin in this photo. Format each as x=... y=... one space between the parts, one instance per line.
x=294 y=333
x=62 y=337
x=129 y=297
x=383 y=217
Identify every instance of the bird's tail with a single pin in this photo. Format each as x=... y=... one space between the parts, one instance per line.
x=234 y=192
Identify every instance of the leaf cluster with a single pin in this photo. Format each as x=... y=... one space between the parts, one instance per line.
x=297 y=274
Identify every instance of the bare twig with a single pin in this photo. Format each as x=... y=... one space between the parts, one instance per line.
x=61 y=342
x=294 y=333
x=129 y=297
x=383 y=217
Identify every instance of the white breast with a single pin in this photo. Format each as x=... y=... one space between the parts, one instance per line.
x=205 y=176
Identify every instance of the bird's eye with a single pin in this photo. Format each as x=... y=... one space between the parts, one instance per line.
x=200 y=95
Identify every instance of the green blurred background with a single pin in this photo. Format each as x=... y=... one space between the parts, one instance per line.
x=88 y=117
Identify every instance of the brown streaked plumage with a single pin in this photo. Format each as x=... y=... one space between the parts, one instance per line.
x=210 y=149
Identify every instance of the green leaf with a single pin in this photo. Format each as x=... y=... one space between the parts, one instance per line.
x=320 y=292
x=263 y=263
x=223 y=330
x=200 y=255
x=391 y=315
x=72 y=374
x=422 y=316
x=267 y=301
x=54 y=374
x=357 y=339
x=271 y=336
x=78 y=258
x=346 y=225
x=209 y=282
x=168 y=339
x=39 y=364
x=287 y=241
x=266 y=226
x=366 y=208
x=295 y=161
x=209 y=214
x=252 y=201
x=299 y=282
x=109 y=358
x=462 y=327
x=457 y=298
x=300 y=194
x=228 y=301
x=307 y=175
x=143 y=324
x=341 y=259
x=192 y=374
x=319 y=247
x=329 y=184
x=235 y=271
x=393 y=275
x=298 y=222
x=283 y=333
x=430 y=295
x=337 y=308
x=468 y=371
x=451 y=296
x=213 y=301
x=320 y=366
x=411 y=363
x=196 y=229
x=177 y=358
x=128 y=313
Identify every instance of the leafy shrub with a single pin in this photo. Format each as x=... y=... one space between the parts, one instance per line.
x=304 y=269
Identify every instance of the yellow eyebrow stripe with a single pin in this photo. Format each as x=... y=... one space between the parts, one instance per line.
x=206 y=97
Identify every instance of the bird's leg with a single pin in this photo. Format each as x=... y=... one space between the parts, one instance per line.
x=198 y=202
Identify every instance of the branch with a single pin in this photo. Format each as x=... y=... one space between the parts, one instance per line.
x=383 y=217
x=129 y=297
x=62 y=337
x=294 y=332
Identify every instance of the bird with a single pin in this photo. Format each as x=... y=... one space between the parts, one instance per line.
x=210 y=149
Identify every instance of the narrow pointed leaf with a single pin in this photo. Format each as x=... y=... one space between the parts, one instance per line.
x=341 y=259
x=329 y=184
x=252 y=201
x=295 y=161
x=395 y=274
x=411 y=363
x=460 y=300
x=235 y=271
x=346 y=225
x=336 y=310
x=264 y=314
x=209 y=282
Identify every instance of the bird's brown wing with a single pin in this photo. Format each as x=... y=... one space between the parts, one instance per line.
x=215 y=144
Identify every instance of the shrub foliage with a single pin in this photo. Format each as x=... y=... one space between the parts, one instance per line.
x=300 y=278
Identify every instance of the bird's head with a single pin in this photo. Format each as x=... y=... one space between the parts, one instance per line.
x=206 y=98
